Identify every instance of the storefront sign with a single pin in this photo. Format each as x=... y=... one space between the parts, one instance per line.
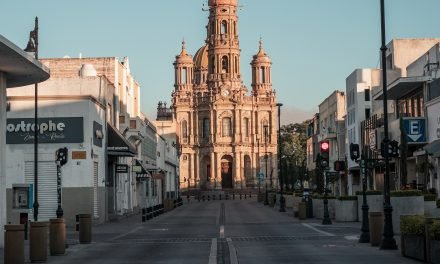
x=79 y=155
x=50 y=130
x=415 y=129
x=121 y=168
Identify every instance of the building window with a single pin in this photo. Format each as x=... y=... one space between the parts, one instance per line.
x=184 y=130
x=224 y=27
x=212 y=68
x=206 y=124
x=183 y=77
x=266 y=130
x=213 y=28
x=262 y=75
x=225 y=64
x=367 y=95
x=227 y=127
x=367 y=113
x=246 y=127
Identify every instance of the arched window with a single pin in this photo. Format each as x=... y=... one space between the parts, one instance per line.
x=224 y=27
x=235 y=28
x=184 y=130
x=246 y=127
x=183 y=76
x=266 y=130
x=236 y=64
x=225 y=64
x=262 y=75
x=226 y=127
x=213 y=28
x=206 y=124
x=212 y=68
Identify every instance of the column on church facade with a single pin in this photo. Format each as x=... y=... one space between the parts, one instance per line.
x=213 y=166
x=197 y=169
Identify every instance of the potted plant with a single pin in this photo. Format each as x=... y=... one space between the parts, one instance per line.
x=434 y=242
x=413 y=244
x=346 y=209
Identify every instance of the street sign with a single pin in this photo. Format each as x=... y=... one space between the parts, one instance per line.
x=121 y=168
x=415 y=129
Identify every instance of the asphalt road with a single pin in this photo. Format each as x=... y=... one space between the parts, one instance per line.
x=233 y=231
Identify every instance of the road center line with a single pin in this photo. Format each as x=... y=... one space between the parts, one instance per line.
x=222 y=231
x=126 y=234
x=213 y=254
x=232 y=251
x=317 y=230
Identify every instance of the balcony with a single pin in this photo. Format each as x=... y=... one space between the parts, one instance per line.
x=136 y=131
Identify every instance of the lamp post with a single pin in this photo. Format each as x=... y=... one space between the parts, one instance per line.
x=32 y=46
x=365 y=230
x=388 y=241
x=258 y=166
x=266 y=198
x=280 y=182
x=326 y=220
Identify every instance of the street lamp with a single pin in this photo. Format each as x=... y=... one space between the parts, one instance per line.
x=32 y=47
x=266 y=198
x=258 y=167
x=280 y=182
x=388 y=241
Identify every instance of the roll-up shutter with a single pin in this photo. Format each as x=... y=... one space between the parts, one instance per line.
x=95 y=189
x=47 y=187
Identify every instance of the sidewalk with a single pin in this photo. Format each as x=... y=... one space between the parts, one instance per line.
x=103 y=232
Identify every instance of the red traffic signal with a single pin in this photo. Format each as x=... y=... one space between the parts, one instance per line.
x=324 y=145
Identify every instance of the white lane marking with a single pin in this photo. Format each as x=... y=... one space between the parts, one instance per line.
x=222 y=231
x=160 y=229
x=232 y=251
x=354 y=237
x=213 y=254
x=317 y=230
x=129 y=232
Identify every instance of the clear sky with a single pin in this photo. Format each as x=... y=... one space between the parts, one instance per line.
x=314 y=44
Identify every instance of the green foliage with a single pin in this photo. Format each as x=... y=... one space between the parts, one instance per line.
x=412 y=225
x=347 y=198
x=434 y=230
x=370 y=192
x=429 y=197
x=406 y=193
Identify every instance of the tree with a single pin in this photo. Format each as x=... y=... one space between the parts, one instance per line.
x=293 y=140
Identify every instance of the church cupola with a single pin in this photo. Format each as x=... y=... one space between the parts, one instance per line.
x=184 y=70
x=261 y=71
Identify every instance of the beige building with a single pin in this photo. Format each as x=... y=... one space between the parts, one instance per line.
x=224 y=130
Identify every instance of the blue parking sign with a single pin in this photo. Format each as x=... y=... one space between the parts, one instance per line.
x=415 y=129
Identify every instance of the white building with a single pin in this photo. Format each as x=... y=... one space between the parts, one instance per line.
x=359 y=108
x=17 y=68
x=332 y=129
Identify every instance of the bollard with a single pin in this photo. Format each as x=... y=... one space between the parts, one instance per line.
x=250 y=194
x=233 y=196
x=85 y=228
x=220 y=196
x=245 y=195
x=14 y=244
x=187 y=197
x=302 y=213
x=57 y=237
x=38 y=242
x=198 y=198
x=376 y=222
x=209 y=197
x=240 y=196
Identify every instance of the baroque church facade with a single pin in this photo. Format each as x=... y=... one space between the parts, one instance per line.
x=227 y=135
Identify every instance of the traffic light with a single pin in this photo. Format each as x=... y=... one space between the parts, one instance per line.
x=324 y=147
x=61 y=156
x=393 y=149
x=339 y=165
x=354 y=151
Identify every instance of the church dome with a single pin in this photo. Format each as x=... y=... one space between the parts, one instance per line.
x=261 y=56
x=184 y=57
x=222 y=2
x=201 y=58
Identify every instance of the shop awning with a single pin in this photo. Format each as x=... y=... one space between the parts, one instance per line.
x=403 y=86
x=433 y=148
x=117 y=144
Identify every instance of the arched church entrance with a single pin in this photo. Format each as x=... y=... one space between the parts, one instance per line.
x=206 y=172
x=226 y=171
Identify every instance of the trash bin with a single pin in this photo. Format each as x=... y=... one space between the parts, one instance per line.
x=85 y=228
x=376 y=220
x=57 y=237
x=14 y=244
x=38 y=241
x=302 y=210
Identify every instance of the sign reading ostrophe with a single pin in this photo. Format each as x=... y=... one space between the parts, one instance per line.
x=50 y=130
